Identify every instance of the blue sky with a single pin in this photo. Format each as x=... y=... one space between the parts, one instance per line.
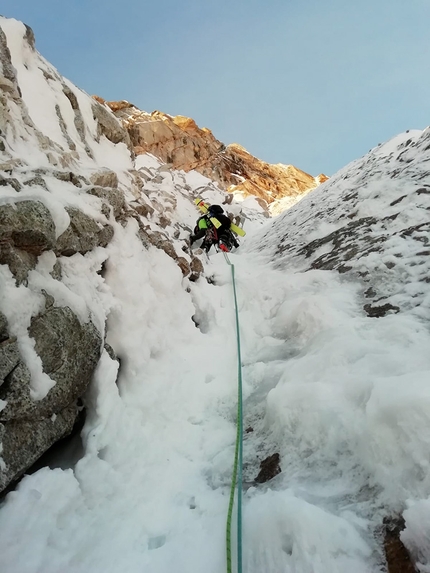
x=314 y=83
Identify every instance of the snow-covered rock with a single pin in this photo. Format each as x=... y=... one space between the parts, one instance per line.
x=68 y=181
x=370 y=221
x=180 y=142
x=98 y=283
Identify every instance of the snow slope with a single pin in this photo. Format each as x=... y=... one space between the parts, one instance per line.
x=344 y=398
x=371 y=219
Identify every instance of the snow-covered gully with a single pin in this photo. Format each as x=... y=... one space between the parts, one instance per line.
x=334 y=303
x=151 y=491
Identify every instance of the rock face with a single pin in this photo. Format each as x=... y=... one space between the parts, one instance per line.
x=24 y=441
x=26 y=230
x=28 y=427
x=69 y=352
x=178 y=141
x=34 y=226
x=83 y=234
x=106 y=125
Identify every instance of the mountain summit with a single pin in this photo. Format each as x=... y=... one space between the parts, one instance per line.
x=179 y=142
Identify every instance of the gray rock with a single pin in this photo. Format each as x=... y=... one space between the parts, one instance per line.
x=29 y=37
x=24 y=441
x=71 y=97
x=38 y=171
x=80 y=128
x=48 y=75
x=20 y=262
x=9 y=357
x=36 y=180
x=27 y=225
x=106 y=235
x=83 y=234
x=69 y=352
x=71 y=177
x=63 y=127
x=143 y=236
x=377 y=311
x=11 y=181
x=78 y=119
x=145 y=176
x=56 y=272
x=111 y=351
x=109 y=126
x=113 y=197
x=7 y=86
x=105 y=178
x=4 y=332
x=26 y=230
x=9 y=71
x=16 y=391
x=49 y=299
x=9 y=165
x=143 y=209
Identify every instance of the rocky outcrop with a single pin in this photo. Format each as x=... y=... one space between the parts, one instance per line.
x=111 y=198
x=26 y=230
x=8 y=81
x=264 y=180
x=83 y=234
x=105 y=178
x=68 y=349
x=69 y=352
x=107 y=126
x=178 y=141
x=35 y=203
x=24 y=441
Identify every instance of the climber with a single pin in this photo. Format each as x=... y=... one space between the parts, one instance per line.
x=220 y=235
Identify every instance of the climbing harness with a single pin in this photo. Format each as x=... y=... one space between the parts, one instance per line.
x=238 y=454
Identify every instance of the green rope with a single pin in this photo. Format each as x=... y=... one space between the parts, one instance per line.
x=238 y=454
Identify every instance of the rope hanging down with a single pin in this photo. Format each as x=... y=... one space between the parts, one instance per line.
x=238 y=454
